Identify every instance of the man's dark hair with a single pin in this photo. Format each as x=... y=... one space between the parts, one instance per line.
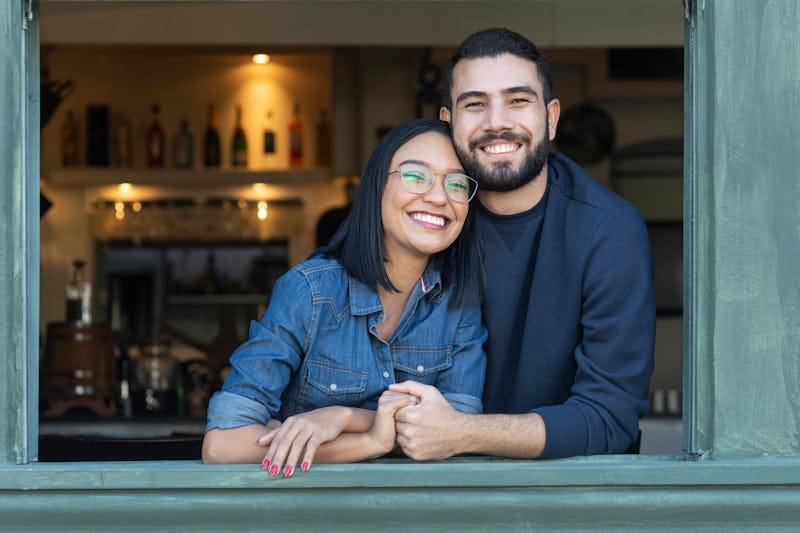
x=494 y=42
x=358 y=243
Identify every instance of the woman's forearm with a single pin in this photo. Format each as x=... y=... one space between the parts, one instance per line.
x=235 y=445
x=350 y=448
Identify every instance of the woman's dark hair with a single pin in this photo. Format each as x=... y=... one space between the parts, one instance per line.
x=358 y=243
x=492 y=43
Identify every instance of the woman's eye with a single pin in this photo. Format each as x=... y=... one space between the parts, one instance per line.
x=457 y=186
x=413 y=176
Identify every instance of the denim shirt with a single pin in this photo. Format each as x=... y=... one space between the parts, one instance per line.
x=316 y=346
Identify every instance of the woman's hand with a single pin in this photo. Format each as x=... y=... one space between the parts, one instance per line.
x=301 y=434
x=383 y=431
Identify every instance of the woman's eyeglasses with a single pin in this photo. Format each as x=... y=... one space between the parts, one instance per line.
x=419 y=179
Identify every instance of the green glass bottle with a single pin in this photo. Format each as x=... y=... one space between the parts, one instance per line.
x=239 y=141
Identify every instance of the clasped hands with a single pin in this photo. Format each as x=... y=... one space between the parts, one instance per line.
x=409 y=416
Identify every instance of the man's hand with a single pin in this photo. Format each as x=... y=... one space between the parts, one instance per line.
x=430 y=429
x=383 y=429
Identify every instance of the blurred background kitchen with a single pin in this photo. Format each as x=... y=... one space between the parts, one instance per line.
x=192 y=152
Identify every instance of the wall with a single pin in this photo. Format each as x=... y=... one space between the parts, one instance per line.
x=367 y=88
x=183 y=82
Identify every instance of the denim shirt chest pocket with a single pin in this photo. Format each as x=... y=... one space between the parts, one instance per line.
x=323 y=385
x=421 y=363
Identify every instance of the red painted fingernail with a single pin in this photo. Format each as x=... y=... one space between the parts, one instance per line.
x=288 y=471
x=274 y=471
x=304 y=467
x=265 y=464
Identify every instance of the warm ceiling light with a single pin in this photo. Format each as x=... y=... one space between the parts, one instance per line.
x=260 y=59
x=125 y=188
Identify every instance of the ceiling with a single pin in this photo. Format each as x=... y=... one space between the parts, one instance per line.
x=550 y=23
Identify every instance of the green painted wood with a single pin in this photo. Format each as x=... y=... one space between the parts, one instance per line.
x=582 y=494
x=746 y=222
x=18 y=243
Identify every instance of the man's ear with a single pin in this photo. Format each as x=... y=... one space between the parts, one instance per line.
x=444 y=114
x=553 y=113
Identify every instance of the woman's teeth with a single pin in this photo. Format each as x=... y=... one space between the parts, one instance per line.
x=430 y=219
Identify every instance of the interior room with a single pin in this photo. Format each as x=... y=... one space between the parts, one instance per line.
x=192 y=152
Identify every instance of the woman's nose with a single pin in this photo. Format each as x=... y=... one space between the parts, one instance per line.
x=437 y=194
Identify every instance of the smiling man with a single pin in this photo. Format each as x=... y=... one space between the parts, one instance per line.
x=569 y=277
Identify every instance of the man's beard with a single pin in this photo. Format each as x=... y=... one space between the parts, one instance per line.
x=502 y=178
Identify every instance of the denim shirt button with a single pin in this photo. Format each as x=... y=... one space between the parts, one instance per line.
x=420 y=368
x=333 y=386
x=385 y=374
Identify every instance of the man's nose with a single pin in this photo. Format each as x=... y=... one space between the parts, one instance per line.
x=498 y=118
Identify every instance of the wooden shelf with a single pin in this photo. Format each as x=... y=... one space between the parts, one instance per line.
x=201 y=177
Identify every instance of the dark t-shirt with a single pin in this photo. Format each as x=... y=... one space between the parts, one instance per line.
x=509 y=276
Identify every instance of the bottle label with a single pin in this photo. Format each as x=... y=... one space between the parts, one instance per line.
x=269 y=142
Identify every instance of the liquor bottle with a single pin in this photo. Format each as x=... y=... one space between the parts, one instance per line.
x=323 y=140
x=211 y=155
x=69 y=140
x=183 y=147
x=125 y=371
x=78 y=292
x=123 y=156
x=268 y=149
x=239 y=141
x=154 y=148
x=98 y=135
x=296 y=138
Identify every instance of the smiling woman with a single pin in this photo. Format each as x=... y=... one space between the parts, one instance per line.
x=395 y=296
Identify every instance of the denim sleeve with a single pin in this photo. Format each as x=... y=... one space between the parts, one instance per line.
x=227 y=410
x=462 y=383
x=262 y=367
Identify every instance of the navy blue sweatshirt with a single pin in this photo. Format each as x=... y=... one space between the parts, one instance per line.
x=570 y=311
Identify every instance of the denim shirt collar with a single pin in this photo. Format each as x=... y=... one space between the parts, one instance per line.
x=364 y=299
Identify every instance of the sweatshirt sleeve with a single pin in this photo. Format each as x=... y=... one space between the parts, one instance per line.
x=614 y=359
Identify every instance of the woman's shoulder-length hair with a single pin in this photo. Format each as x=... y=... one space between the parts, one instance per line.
x=358 y=243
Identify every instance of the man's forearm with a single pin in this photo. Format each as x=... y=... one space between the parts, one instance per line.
x=520 y=436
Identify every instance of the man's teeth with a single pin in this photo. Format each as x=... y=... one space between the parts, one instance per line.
x=500 y=148
x=430 y=219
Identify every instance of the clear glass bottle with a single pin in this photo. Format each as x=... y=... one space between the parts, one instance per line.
x=123 y=142
x=78 y=292
x=183 y=147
